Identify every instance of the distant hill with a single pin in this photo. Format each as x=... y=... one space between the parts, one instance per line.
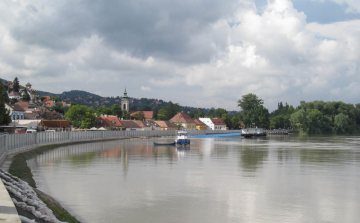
x=45 y=93
x=95 y=101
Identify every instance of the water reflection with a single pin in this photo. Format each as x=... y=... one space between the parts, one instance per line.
x=276 y=179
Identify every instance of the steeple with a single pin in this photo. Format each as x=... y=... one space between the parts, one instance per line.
x=125 y=94
x=125 y=102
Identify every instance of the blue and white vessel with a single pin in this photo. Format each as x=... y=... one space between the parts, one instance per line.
x=182 y=138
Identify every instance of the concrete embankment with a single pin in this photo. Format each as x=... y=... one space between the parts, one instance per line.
x=16 y=164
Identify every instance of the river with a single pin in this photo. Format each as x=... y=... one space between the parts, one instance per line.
x=271 y=179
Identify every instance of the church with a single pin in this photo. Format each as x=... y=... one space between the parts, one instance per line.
x=125 y=106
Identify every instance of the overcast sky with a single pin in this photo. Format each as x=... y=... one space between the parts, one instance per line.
x=202 y=53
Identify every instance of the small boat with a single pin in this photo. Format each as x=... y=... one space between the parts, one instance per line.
x=253 y=132
x=164 y=144
x=182 y=138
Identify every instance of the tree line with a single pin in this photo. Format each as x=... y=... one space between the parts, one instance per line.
x=317 y=117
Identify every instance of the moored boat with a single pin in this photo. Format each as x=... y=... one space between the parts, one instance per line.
x=164 y=144
x=182 y=138
x=253 y=132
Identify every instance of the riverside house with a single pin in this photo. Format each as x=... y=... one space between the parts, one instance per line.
x=184 y=120
x=214 y=123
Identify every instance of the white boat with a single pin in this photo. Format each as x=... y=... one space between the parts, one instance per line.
x=182 y=138
x=253 y=132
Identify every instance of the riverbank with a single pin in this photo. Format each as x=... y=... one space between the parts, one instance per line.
x=19 y=168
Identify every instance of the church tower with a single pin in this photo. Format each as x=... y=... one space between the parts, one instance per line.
x=125 y=102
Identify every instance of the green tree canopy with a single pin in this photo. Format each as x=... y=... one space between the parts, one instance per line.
x=104 y=111
x=162 y=114
x=249 y=101
x=79 y=113
x=116 y=110
x=126 y=115
x=319 y=117
x=155 y=112
x=56 y=99
x=253 y=112
x=16 y=85
x=139 y=116
x=26 y=97
x=146 y=108
x=5 y=118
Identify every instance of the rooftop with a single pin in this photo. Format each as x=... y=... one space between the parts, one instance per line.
x=181 y=117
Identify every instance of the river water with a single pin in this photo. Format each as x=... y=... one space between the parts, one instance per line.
x=272 y=179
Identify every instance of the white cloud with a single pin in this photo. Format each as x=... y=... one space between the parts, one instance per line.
x=143 y=88
x=213 y=59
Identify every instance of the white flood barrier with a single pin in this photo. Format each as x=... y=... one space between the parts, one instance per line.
x=20 y=142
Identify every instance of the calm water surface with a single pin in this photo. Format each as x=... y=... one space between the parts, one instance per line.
x=274 y=179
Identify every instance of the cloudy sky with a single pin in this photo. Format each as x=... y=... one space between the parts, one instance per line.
x=203 y=53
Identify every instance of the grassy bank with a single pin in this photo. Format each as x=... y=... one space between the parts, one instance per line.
x=20 y=169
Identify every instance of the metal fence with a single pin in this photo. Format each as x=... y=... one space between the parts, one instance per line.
x=16 y=141
x=2 y=145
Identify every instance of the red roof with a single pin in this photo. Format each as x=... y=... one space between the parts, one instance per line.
x=49 y=103
x=198 y=122
x=166 y=124
x=114 y=120
x=109 y=121
x=181 y=117
x=218 y=121
x=22 y=104
x=55 y=123
x=14 y=94
x=148 y=114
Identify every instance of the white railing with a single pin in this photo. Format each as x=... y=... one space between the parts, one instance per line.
x=18 y=141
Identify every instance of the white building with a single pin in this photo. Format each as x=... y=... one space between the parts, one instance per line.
x=14 y=95
x=214 y=123
x=16 y=112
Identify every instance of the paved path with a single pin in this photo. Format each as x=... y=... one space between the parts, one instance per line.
x=8 y=213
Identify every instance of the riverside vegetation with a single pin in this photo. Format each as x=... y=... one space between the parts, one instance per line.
x=317 y=117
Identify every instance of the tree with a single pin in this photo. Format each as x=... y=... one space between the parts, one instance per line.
x=253 y=112
x=13 y=100
x=5 y=118
x=211 y=112
x=193 y=114
x=155 y=112
x=249 y=101
x=162 y=114
x=139 y=116
x=42 y=98
x=56 y=99
x=146 y=108
x=59 y=107
x=235 y=122
x=26 y=97
x=79 y=113
x=89 y=120
x=16 y=85
x=319 y=117
x=126 y=115
x=201 y=113
x=220 y=111
x=226 y=119
x=4 y=93
x=116 y=110
x=103 y=111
